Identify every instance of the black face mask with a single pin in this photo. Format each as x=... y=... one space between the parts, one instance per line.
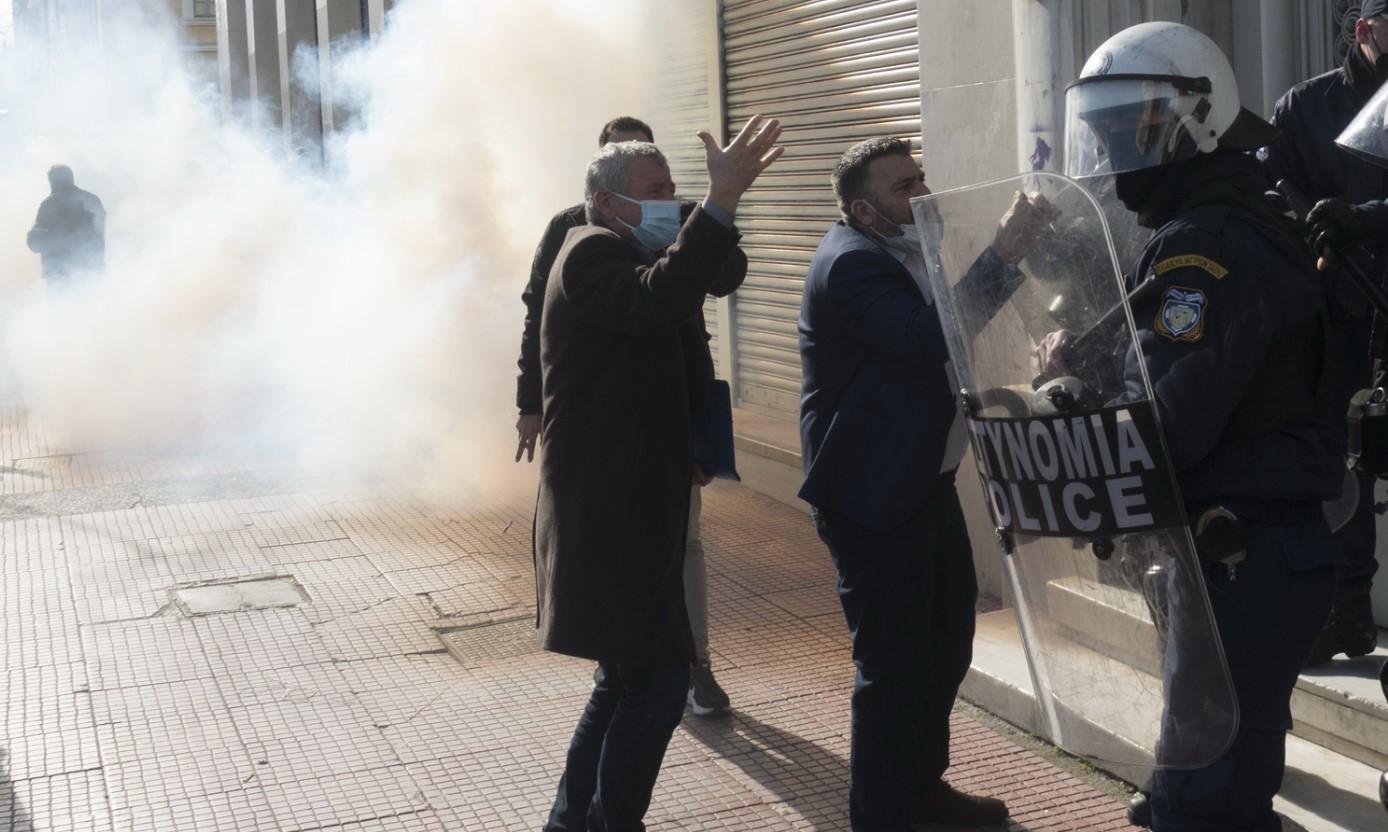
x=1380 y=62
x=1135 y=187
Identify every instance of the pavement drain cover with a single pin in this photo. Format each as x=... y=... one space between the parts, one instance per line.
x=238 y=595
x=485 y=643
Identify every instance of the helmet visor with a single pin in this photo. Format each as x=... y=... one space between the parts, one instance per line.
x=1119 y=126
x=1367 y=135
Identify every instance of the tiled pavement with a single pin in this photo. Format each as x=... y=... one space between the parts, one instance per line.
x=404 y=692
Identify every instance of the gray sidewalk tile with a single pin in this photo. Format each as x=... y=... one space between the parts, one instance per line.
x=406 y=692
x=192 y=698
x=156 y=780
x=44 y=699
x=317 y=683
x=245 y=810
x=57 y=752
x=347 y=641
x=73 y=802
x=381 y=793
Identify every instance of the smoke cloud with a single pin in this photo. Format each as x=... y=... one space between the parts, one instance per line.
x=364 y=320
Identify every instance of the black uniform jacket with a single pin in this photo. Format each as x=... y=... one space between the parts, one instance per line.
x=1238 y=350
x=1311 y=115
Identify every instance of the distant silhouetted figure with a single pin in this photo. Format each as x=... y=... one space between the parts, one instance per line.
x=70 y=231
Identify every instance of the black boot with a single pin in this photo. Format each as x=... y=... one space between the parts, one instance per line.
x=1350 y=629
x=1140 y=811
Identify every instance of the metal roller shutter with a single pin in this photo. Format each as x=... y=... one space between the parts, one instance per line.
x=688 y=79
x=835 y=72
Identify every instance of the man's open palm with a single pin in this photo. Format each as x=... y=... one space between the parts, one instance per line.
x=733 y=169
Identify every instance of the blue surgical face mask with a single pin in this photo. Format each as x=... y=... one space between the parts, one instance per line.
x=660 y=221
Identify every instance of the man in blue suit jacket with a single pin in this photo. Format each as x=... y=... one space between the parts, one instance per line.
x=881 y=442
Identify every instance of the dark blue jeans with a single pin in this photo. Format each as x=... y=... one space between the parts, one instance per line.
x=617 y=749
x=1269 y=614
x=908 y=595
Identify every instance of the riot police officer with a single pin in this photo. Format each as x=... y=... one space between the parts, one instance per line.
x=1336 y=227
x=1235 y=340
x=1310 y=116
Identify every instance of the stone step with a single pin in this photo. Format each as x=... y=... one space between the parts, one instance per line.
x=1339 y=705
x=1324 y=790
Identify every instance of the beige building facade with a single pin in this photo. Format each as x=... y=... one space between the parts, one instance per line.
x=60 y=24
x=197 y=22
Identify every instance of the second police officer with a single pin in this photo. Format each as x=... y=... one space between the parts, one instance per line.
x=1237 y=346
x=1310 y=116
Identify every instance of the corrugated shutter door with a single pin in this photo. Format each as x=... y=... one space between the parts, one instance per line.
x=835 y=72
x=687 y=77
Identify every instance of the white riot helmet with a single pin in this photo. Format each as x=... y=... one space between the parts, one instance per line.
x=1367 y=135
x=1154 y=94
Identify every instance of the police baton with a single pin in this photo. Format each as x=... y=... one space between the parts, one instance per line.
x=1074 y=351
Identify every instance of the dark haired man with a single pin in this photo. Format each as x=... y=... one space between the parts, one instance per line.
x=881 y=443
x=706 y=696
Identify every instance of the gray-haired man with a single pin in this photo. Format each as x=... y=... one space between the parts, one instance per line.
x=706 y=696
x=610 y=521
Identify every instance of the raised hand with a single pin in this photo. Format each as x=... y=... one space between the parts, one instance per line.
x=733 y=169
x=1050 y=353
x=1021 y=226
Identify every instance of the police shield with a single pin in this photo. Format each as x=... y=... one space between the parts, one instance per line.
x=1105 y=578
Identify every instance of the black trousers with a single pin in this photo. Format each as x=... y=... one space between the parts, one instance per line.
x=908 y=595
x=1269 y=614
x=616 y=751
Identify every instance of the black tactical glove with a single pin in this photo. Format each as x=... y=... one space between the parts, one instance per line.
x=1336 y=224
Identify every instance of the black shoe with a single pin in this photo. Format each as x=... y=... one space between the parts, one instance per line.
x=1350 y=629
x=706 y=698
x=945 y=804
x=1140 y=811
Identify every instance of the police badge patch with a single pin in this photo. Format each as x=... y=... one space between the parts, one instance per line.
x=1182 y=314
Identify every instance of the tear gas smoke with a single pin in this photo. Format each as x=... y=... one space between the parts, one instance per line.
x=363 y=321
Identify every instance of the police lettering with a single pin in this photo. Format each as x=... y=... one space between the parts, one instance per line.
x=1092 y=473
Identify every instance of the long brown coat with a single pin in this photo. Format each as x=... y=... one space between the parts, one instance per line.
x=611 y=517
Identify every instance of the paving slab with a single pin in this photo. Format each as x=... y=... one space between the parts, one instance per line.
x=398 y=685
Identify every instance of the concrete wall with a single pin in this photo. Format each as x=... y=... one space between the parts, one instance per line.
x=968 y=106
x=969 y=135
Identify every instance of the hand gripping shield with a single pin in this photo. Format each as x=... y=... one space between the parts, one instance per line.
x=1107 y=586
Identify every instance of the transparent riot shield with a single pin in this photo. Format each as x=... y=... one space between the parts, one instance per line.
x=1107 y=585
